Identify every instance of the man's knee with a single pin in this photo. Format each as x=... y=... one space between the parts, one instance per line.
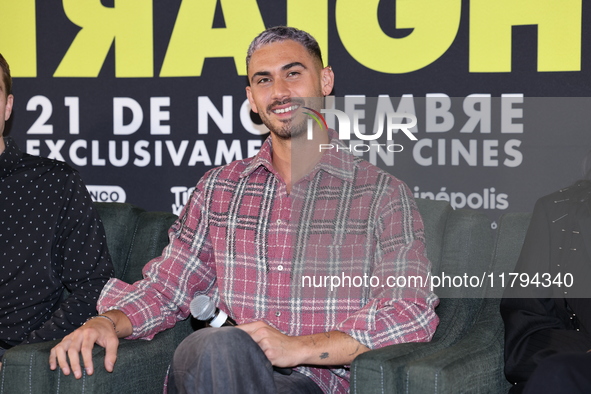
x=211 y=341
x=222 y=359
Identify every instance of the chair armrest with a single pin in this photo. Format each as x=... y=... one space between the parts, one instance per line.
x=384 y=370
x=380 y=370
x=472 y=365
x=141 y=367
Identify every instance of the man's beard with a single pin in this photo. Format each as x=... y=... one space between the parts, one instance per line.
x=290 y=129
x=297 y=125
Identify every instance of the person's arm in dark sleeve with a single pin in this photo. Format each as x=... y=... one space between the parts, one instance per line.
x=534 y=326
x=80 y=261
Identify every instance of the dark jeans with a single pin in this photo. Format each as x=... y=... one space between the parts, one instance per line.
x=227 y=360
x=561 y=373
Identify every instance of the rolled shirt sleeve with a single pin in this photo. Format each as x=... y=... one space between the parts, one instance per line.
x=170 y=281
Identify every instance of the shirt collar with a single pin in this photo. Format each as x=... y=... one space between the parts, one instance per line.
x=263 y=158
x=337 y=161
x=10 y=157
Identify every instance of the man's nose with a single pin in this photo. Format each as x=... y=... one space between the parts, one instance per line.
x=281 y=90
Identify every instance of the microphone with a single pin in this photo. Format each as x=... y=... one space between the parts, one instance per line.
x=202 y=308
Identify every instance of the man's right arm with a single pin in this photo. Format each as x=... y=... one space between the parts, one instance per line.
x=154 y=304
x=100 y=330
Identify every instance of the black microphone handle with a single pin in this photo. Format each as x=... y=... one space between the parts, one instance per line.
x=283 y=371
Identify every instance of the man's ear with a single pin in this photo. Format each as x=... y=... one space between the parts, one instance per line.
x=8 y=108
x=251 y=101
x=327 y=80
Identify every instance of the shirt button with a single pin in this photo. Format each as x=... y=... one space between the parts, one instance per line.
x=277 y=313
x=280 y=267
x=279 y=221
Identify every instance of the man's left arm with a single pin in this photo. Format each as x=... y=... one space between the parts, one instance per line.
x=328 y=348
x=80 y=260
x=401 y=308
x=391 y=316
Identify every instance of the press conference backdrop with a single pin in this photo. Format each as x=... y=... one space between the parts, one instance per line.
x=144 y=96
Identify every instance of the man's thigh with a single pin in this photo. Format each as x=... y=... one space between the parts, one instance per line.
x=228 y=357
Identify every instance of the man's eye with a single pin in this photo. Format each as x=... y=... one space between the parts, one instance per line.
x=263 y=80
x=293 y=73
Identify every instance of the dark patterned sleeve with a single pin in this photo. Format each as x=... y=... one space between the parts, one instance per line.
x=80 y=260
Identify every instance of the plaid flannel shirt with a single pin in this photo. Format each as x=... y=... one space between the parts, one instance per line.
x=264 y=254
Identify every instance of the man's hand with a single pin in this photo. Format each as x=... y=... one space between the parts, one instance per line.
x=280 y=349
x=327 y=348
x=97 y=330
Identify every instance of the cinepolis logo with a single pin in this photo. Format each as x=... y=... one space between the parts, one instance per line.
x=391 y=122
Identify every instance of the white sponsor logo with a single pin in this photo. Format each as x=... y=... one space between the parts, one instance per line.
x=106 y=193
x=181 y=196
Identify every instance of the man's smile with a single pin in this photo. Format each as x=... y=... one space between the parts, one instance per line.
x=292 y=107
